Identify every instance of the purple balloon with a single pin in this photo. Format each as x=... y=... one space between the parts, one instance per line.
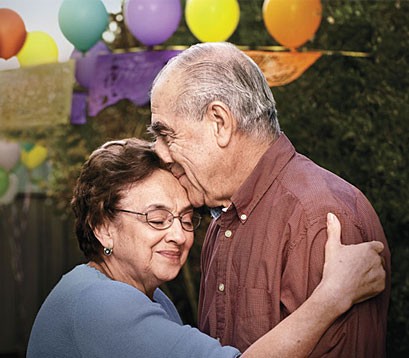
x=152 y=22
x=85 y=63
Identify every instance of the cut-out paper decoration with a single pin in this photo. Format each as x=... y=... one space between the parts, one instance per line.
x=85 y=63
x=212 y=20
x=125 y=76
x=292 y=22
x=12 y=33
x=152 y=22
x=36 y=96
x=39 y=48
x=120 y=76
x=83 y=22
x=79 y=108
x=281 y=68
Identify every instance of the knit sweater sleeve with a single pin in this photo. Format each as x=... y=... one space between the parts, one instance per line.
x=116 y=320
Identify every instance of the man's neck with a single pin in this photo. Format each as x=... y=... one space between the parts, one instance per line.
x=245 y=155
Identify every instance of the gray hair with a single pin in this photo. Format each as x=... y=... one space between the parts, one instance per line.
x=208 y=72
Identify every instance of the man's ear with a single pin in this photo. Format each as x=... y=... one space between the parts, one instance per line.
x=103 y=234
x=222 y=121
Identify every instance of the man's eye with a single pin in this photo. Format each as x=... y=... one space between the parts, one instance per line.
x=160 y=136
x=167 y=137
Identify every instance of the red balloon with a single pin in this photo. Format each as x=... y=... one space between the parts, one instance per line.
x=12 y=33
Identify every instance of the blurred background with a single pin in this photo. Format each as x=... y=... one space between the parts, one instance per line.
x=339 y=74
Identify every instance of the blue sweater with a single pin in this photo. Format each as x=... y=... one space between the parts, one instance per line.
x=89 y=315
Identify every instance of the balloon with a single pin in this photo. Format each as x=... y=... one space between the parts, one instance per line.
x=27 y=146
x=83 y=22
x=292 y=22
x=85 y=63
x=12 y=33
x=9 y=154
x=12 y=190
x=38 y=49
x=35 y=157
x=212 y=20
x=152 y=22
x=4 y=181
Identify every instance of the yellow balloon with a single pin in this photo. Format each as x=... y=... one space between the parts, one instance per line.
x=35 y=157
x=39 y=48
x=212 y=20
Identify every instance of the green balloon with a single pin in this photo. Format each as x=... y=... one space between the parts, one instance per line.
x=4 y=181
x=27 y=146
x=83 y=22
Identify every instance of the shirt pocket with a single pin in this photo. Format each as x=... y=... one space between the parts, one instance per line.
x=254 y=309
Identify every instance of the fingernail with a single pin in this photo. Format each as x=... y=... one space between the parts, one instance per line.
x=330 y=218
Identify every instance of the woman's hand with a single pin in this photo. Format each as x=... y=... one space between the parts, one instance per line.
x=352 y=273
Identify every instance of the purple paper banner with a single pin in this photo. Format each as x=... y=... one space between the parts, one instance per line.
x=79 y=108
x=125 y=76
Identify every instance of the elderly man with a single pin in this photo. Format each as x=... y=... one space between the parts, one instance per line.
x=215 y=122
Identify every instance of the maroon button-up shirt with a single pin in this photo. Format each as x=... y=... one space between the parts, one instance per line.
x=263 y=257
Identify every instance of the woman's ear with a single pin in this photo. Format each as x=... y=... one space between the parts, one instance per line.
x=103 y=234
x=222 y=121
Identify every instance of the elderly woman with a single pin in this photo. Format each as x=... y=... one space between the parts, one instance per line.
x=135 y=226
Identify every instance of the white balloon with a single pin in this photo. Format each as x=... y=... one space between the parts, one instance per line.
x=9 y=154
x=12 y=190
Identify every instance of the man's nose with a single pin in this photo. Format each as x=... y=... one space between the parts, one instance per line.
x=161 y=149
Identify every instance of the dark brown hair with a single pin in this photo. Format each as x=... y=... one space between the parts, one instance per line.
x=110 y=169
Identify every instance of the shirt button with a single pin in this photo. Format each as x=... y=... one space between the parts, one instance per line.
x=221 y=287
x=228 y=233
x=243 y=217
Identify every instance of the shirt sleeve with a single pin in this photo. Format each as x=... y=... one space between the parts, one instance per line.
x=357 y=332
x=116 y=320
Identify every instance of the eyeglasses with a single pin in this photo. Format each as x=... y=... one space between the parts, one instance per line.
x=162 y=219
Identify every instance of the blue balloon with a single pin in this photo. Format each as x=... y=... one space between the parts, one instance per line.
x=82 y=22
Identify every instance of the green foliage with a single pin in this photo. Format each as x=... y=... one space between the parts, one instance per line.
x=349 y=114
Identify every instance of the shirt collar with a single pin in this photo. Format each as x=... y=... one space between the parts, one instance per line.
x=263 y=175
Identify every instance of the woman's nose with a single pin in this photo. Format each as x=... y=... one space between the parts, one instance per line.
x=176 y=232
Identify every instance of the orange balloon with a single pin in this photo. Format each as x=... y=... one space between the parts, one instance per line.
x=292 y=22
x=12 y=33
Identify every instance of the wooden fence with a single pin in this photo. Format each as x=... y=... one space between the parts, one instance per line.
x=37 y=247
